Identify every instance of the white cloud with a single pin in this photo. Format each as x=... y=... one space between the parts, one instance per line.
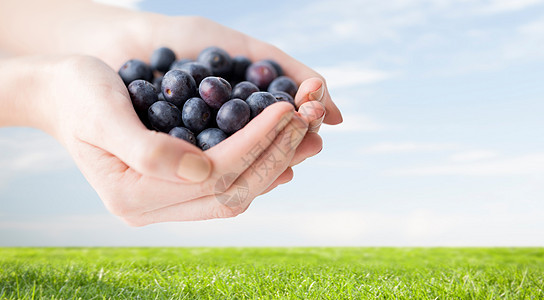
x=503 y=6
x=347 y=76
x=131 y=4
x=417 y=227
x=531 y=164
x=354 y=123
x=473 y=155
x=374 y=21
x=382 y=148
x=32 y=151
x=533 y=28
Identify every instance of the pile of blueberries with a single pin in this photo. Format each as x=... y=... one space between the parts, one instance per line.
x=203 y=101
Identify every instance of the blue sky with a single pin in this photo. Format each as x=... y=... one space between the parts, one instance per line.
x=442 y=143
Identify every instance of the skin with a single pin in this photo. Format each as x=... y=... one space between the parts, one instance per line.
x=144 y=176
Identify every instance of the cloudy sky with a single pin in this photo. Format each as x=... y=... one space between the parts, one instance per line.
x=442 y=144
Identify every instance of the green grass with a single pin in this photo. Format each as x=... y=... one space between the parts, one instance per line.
x=271 y=273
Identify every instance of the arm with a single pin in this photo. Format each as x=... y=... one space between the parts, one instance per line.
x=66 y=27
x=19 y=105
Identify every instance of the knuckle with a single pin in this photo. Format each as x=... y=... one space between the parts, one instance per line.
x=121 y=206
x=117 y=207
x=209 y=187
x=198 y=20
x=288 y=176
x=134 y=222
x=223 y=211
x=74 y=63
x=145 y=156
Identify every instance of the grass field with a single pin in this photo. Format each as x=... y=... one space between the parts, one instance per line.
x=271 y=273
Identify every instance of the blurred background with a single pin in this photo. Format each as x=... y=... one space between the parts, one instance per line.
x=442 y=143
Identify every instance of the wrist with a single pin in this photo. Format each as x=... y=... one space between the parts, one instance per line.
x=22 y=96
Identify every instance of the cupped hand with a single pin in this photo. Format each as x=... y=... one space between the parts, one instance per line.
x=187 y=36
x=145 y=176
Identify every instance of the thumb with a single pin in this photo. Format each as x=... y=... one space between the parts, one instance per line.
x=149 y=152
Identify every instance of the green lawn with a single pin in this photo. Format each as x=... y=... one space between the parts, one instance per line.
x=266 y=273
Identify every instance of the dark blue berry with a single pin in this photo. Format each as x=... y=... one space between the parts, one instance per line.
x=197 y=70
x=215 y=91
x=259 y=101
x=162 y=58
x=239 y=67
x=135 y=69
x=243 y=89
x=142 y=94
x=283 y=84
x=164 y=116
x=276 y=66
x=178 y=86
x=217 y=59
x=261 y=73
x=160 y=96
x=178 y=63
x=196 y=114
x=210 y=137
x=283 y=96
x=184 y=134
x=157 y=82
x=233 y=115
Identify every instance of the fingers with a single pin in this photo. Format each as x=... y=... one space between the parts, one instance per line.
x=236 y=198
x=314 y=113
x=285 y=177
x=120 y=132
x=241 y=149
x=300 y=73
x=314 y=89
x=310 y=146
x=232 y=156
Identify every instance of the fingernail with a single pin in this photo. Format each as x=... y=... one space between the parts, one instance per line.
x=315 y=124
x=317 y=95
x=194 y=167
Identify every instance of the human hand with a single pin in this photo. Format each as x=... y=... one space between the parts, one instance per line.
x=145 y=176
x=114 y=35
x=187 y=36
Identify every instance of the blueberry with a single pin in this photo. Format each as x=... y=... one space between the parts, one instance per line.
x=142 y=94
x=135 y=69
x=233 y=115
x=261 y=74
x=197 y=70
x=276 y=66
x=215 y=91
x=239 y=66
x=283 y=84
x=243 y=89
x=283 y=96
x=157 y=82
x=162 y=58
x=178 y=63
x=160 y=96
x=259 y=101
x=184 y=134
x=217 y=59
x=196 y=114
x=164 y=116
x=178 y=86
x=210 y=137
